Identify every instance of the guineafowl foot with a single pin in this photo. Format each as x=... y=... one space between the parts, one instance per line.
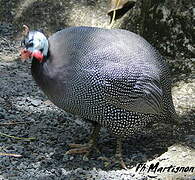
x=117 y=159
x=82 y=148
x=113 y=161
x=88 y=147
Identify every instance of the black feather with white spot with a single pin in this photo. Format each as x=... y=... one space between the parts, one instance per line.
x=113 y=77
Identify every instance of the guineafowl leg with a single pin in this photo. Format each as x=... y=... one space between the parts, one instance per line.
x=118 y=155
x=118 y=158
x=88 y=147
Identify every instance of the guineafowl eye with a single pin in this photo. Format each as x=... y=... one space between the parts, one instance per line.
x=29 y=44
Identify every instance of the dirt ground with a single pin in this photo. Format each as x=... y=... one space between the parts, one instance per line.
x=25 y=112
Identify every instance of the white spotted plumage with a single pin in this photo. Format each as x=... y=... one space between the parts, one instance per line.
x=112 y=77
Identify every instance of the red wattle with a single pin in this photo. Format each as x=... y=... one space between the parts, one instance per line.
x=38 y=55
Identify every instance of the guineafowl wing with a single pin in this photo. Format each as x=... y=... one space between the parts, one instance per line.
x=134 y=91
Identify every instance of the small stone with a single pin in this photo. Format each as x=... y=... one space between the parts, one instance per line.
x=71 y=158
x=19 y=149
x=2 y=100
x=1 y=177
x=164 y=157
x=36 y=102
x=173 y=149
x=191 y=48
x=184 y=154
x=79 y=122
x=2 y=116
x=85 y=158
x=192 y=178
x=191 y=138
x=47 y=102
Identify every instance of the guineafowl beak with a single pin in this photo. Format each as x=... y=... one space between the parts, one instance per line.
x=25 y=54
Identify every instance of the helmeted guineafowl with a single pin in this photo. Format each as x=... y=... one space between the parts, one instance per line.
x=113 y=78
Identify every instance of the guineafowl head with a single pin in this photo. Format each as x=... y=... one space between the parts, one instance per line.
x=35 y=45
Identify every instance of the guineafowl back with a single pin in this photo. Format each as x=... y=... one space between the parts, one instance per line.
x=113 y=77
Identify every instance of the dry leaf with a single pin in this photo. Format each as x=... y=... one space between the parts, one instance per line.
x=119 y=4
x=118 y=8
